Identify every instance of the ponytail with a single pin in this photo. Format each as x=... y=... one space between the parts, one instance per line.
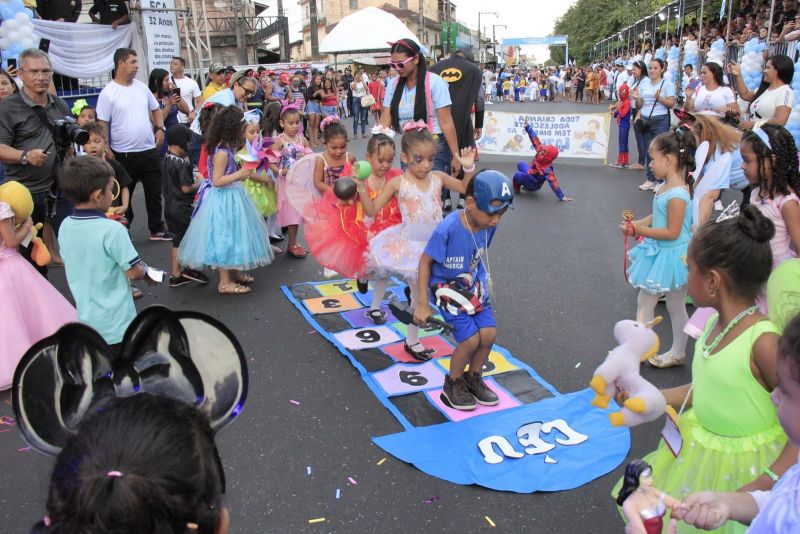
x=680 y=143
x=410 y=49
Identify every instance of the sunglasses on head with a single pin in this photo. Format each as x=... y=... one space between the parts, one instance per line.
x=398 y=65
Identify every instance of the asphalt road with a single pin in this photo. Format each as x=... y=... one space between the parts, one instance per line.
x=559 y=290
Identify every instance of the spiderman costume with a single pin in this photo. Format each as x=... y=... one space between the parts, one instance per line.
x=532 y=177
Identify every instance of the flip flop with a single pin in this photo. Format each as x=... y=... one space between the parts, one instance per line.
x=244 y=278
x=233 y=289
x=296 y=251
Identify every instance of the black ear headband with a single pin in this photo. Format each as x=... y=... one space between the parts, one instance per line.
x=186 y=356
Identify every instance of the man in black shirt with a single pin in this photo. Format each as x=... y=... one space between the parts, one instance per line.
x=59 y=10
x=347 y=79
x=113 y=12
x=464 y=81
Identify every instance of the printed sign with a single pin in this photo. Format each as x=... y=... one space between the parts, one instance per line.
x=577 y=135
x=161 y=32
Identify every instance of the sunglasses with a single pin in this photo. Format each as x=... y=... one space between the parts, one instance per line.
x=247 y=92
x=399 y=65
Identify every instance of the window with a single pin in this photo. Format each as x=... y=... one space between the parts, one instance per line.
x=403 y=4
x=353 y=4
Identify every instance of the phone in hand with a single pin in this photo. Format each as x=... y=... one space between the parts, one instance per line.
x=177 y=91
x=12 y=63
x=44 y=45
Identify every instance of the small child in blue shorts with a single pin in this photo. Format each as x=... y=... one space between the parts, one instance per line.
x=456 y=268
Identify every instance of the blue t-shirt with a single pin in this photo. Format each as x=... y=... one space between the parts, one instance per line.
x=456 y=250
x=440 y=95
x=97 y=252
x=647 y=91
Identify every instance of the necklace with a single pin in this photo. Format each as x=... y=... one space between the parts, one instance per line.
x=708 y=349
x=484 y=260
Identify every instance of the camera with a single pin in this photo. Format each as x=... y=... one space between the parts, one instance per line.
x=68 y=132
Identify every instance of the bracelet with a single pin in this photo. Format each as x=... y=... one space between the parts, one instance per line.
x=471 y=168
x=771 y=474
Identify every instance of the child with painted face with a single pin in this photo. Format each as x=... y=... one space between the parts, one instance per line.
x=456 y=267
x=397 y=249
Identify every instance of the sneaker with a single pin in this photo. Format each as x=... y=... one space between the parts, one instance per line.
x=136 y=293
x=163 y=235
x=666 y=360
x=363 y=286
x=418 y=351
x=657 y=187
x=447 y=205
x=647 y=185
x=636 y=167
x=455 y=394
x=478 y=388
x=377 y=317
x=460 y=204
x=616 y=165
x=194 y=276
x=178 y=281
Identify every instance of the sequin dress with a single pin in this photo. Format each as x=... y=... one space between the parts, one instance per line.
x=397 y=249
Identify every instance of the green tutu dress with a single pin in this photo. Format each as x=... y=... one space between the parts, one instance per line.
x=730 y=434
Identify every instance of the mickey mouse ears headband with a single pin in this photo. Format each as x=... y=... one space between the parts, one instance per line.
x=186 y=356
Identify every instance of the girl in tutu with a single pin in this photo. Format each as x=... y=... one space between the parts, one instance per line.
x=658 y=264
x=291 y=146
x=31 y=308
x=260 y=188
x=732 y=438
x=226 y=232
x=397 y=249
x=331 y=163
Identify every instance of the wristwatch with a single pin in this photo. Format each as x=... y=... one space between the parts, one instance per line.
x=23 y=159
x=162 y=128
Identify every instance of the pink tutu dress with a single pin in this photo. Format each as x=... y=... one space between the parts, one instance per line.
x=290 y=153
x=30 y=307
x=397 y=249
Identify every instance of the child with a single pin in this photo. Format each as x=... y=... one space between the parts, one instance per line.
x=533 y=91
x=291 y=146
x=770 y=164
x=97 y=147
x=532 y=177
x=86 y=114
x=226 y=232
x=261 y=188
x=207 y=114
x=31 y=308
x=776 y=511
x=99 y=257
x=657 y=264
x=142 y=464
x=507 y=89
x=622 y=112
x=543 y=92
x=397 y=249
x=458 y=251
x=179 y=189
x=329 y=166
x=732 y=438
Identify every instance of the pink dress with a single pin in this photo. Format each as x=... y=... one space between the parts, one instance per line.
x=290 y=153
x=771 y=208
x=397 y=249
x=30 y=307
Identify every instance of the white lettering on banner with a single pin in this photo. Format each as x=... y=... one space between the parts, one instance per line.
x=161 y=33
x=577 y=135
x=529 y=436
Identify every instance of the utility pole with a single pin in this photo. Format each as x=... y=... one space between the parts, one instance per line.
x=312 y=11
x=421 y=20
x=283 y=36
x=480 y=44
x=241 y=44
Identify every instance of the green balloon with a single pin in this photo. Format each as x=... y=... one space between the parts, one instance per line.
x=362 y=170
x=783 y=293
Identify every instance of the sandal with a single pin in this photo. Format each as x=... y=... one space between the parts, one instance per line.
x=233 y=289
x=276 y=250
x=666 y=360
x=296 y=251
x=418 y=351
x=243 y=278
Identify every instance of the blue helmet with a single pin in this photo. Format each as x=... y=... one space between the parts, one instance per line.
x=490 y=186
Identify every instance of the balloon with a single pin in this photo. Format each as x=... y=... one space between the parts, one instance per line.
x=344 y=189
x=27 y=43
x=11 y=24
x=362 y=170
x=4 y=42
x=22 y=17
x=14 y=36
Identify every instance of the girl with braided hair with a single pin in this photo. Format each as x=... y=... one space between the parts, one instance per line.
x=658 y=264
x=769 y=157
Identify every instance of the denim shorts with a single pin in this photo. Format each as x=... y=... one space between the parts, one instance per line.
x=327 y=111
x=313 y=107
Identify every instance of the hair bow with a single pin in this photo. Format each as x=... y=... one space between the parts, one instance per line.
x=762 y=135
x=78 y=106
x=415 y=126
x=209 y=105
x=729 y=213
x=385 y=130
x=289 y=105
x=327 y=121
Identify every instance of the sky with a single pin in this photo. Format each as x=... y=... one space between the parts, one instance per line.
x=534 y=21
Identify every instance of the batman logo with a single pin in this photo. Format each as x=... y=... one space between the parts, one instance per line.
x=451 y=75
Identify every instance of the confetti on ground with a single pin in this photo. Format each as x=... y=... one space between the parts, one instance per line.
x=24 y=449
x=382 y=461
x=338 y=493
x=308 y=470
x=317 y=520
x=489 y=520
x=7 y=420
x=431 y=500
x=294 y=402
x=577 y=365
x=353 y=482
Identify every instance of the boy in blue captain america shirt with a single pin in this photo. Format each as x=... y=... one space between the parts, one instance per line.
x=456 y=268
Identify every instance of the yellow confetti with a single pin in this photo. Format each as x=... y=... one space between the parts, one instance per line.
x=382 y=460
x=318 y=520
x=489 y=520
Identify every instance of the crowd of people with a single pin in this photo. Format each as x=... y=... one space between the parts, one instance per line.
x=230 y=172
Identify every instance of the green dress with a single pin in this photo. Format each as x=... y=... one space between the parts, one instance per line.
x=731 y=432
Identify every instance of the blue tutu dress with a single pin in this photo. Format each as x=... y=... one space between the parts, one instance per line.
x=226 y=230
x=660 y=266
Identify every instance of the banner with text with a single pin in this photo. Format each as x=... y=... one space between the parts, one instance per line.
x=161 y=32
x=577 y=135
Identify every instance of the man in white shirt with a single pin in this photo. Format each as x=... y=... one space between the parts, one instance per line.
x=190 y=91
x=135 y=124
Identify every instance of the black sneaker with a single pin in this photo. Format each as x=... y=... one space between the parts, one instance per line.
x=377 y=317
x=418 y=351
x=455 y=394
x=276 y=238
x=460 y=204
x=363 y=286
x=178 y=281
x=447 y=205
x=163 y=235
x=194 y=276
x=478 y=388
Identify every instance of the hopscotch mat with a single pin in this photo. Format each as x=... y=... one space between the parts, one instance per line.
x=535 y=439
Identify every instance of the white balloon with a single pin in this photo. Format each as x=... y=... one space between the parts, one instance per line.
x=14 y=36
x=4 y=43
x=22 y=18
x=25 y=31
x=11 y=25
x=27 y=42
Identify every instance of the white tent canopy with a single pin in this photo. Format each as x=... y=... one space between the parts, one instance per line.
x=366 y=30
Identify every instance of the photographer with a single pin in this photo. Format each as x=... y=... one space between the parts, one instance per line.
x=27 y=144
